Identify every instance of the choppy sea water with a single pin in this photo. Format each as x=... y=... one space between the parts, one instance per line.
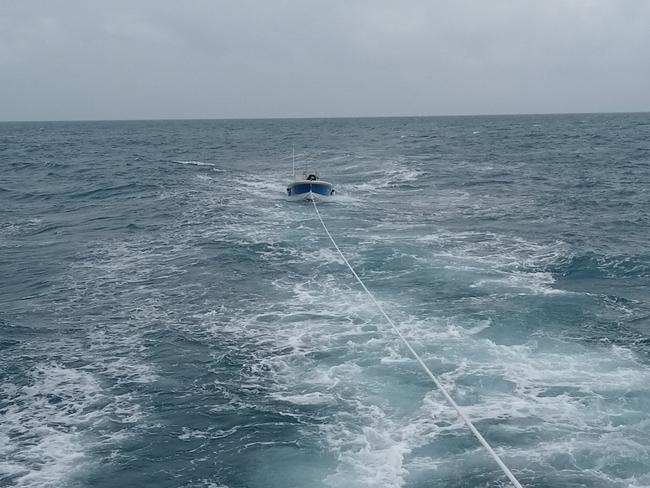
x=167 y=319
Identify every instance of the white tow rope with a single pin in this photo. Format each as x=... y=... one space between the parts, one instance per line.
x=435 y=380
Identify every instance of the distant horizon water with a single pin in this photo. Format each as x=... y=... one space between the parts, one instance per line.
x=328 y=117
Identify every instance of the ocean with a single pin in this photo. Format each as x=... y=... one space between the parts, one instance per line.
x=168 y=319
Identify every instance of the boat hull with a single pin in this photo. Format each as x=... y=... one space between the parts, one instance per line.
x=310 y=191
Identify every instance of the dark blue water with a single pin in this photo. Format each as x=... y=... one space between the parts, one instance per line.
x=167 y=319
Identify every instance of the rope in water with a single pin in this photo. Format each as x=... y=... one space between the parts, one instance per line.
x=435 y=380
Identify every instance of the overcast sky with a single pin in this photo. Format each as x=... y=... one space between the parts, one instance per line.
x=142 y=59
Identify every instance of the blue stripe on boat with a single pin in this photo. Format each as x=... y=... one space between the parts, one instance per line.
x=320 y=188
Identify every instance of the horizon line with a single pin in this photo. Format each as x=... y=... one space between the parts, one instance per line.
x=325 y=117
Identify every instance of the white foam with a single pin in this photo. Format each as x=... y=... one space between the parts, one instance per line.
x=498 y=261
x=41 y=433
x=533 y=283
x=373 y=446
x=369 y=455
x=313 y=398
x=193 y=163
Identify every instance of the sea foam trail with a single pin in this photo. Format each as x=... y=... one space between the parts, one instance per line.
x=43 y=423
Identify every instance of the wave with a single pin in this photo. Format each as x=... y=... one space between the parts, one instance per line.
x=109 y=191
x=193 y=163
x=43 y=433
x=598 y=265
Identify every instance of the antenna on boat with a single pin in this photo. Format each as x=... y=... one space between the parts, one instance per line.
x=293 y=160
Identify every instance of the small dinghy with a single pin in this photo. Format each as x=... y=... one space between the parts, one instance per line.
x=309 y=187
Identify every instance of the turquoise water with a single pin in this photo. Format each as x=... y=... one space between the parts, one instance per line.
x=168 y=319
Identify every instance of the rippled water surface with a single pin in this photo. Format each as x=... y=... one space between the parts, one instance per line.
x=167 y=319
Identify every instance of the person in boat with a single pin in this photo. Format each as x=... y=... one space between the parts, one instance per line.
x=312 y=177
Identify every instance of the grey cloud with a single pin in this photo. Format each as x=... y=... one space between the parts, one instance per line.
x=166 y=59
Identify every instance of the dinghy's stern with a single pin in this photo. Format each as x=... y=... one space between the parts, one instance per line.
x=310 y=190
